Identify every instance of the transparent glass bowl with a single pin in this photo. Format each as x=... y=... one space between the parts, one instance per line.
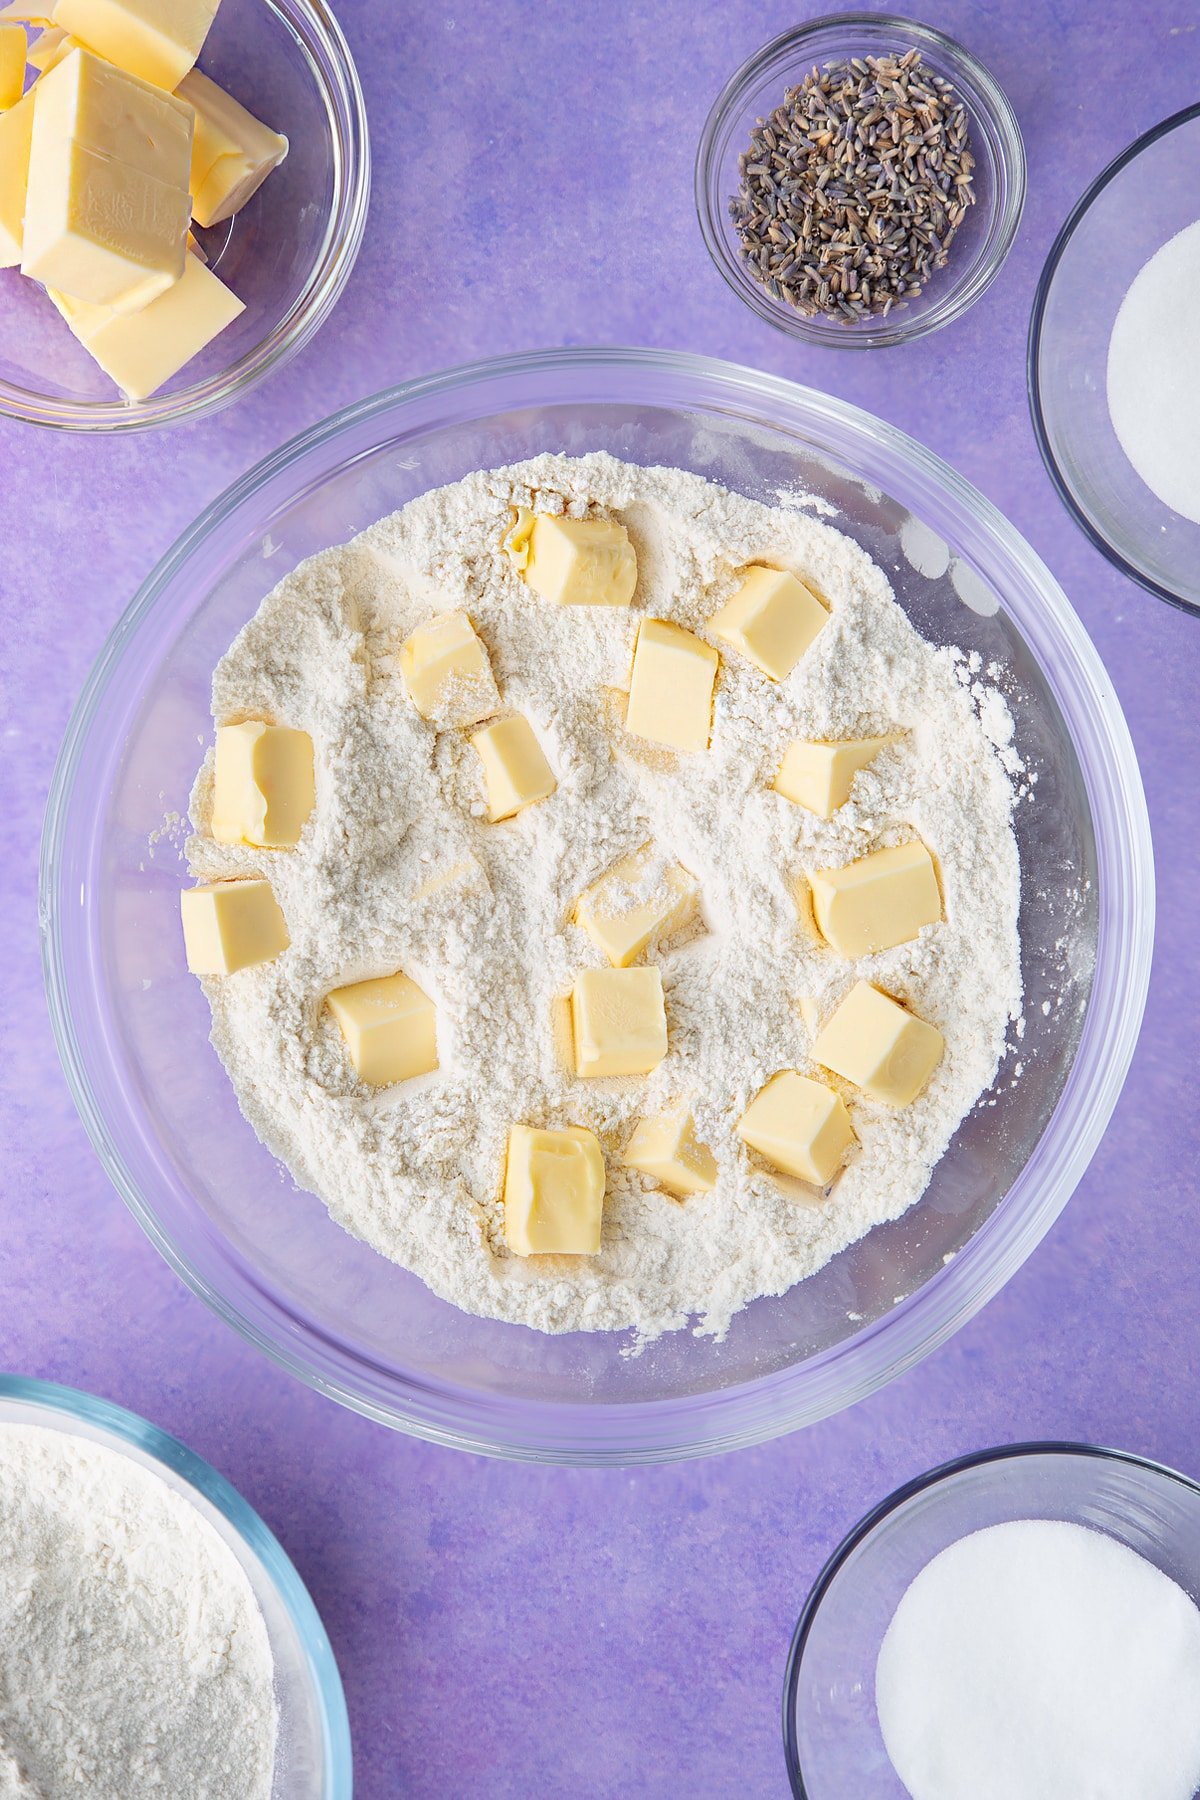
x=288 y=254
x=132 y=1025
x=985 y=235
x=831 y=1734
x=1140 y=201
x=313 y=1760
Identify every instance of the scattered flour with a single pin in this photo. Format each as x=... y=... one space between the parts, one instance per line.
x=134 y=1660
x=416 y=1170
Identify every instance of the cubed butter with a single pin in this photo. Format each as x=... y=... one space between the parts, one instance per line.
x=49 y=48
x=580 y=562
x=231 y=925
x=232 y=151
x=107 y=208
x=13 y=46
x=553 y=1192
x=879 y=1045
x=800 y=1126
x=448 y=673
x=642 y=898
x=772 y=619
x=881 y=900
x=671 y=688
x=390 y=1028
x=142 y=351
x=16 y=129
x=159 y=40
x=263 y=788
x=618 y=1021
x=514 y=766
x=668 y=1150
x=819 y=776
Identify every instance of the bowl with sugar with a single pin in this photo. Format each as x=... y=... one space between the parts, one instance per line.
x=1113 y=368
x=133 y=1027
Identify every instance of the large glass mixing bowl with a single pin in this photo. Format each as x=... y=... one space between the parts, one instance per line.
x=132 y=1024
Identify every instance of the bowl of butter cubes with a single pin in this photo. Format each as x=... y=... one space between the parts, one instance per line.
x=183 y=191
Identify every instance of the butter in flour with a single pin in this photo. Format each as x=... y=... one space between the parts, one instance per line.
x=400 y=868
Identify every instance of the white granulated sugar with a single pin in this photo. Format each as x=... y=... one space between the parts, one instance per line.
x=417 y=1169
x=1042 y=1660
x=134 y=1660
x=1154 y=374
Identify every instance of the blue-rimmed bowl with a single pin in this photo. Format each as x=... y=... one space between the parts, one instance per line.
x=312 y=1760
x=832 y=1741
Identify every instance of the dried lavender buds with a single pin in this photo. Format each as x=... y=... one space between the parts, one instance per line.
x=853 y=188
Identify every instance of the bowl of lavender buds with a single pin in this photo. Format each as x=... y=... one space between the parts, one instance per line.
x=860 y=180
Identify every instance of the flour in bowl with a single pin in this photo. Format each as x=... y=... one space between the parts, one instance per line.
x=399 y=868
x=134 y=1660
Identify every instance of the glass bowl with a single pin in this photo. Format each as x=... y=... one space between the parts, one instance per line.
x=288 y=254
x=132 y=1025
x=313 y=1760
x=1132 y=209
x=831 y=1733
x=983 y=238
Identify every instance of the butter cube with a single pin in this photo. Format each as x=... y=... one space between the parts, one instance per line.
x=231 y=925
x=881 y=900
x=49 y=48
x=668 y=1150
x=141 y=351
x=800 y=1126
x=580 y=562
x=107 y=209
x=448 y=672
x=819 y=776
x=640 y=899
x=390 y=1028
x=879 y=1045
x=13 y=45
x=158 y=40
x=232 y=152
x=514 y=766
x=671 y=688
x=618 y=1021
x=772 y=619
x=16 y=130
x=553 y=1192
x=263 y=788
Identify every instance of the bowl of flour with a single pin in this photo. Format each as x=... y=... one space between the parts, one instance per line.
x=154 y=1637
x=355 y=1234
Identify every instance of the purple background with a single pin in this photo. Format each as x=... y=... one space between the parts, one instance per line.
x=538 y=1632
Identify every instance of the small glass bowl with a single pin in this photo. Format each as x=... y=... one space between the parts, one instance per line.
x=831 y=1734
x=313 y=1756
x=288 y=254
x=983 y=238
x=1139 y=202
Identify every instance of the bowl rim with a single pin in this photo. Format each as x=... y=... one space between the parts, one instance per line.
x=125 y=1428
x=898 y=1498
x=958 y=298
x=1033 y=380
x=315 y=26
x=742 y=1412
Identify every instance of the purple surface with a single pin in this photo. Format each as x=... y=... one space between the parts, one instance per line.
x=513 y=1631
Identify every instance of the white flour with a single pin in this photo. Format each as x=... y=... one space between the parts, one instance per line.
x=134 y=1660
x=416 y=1170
